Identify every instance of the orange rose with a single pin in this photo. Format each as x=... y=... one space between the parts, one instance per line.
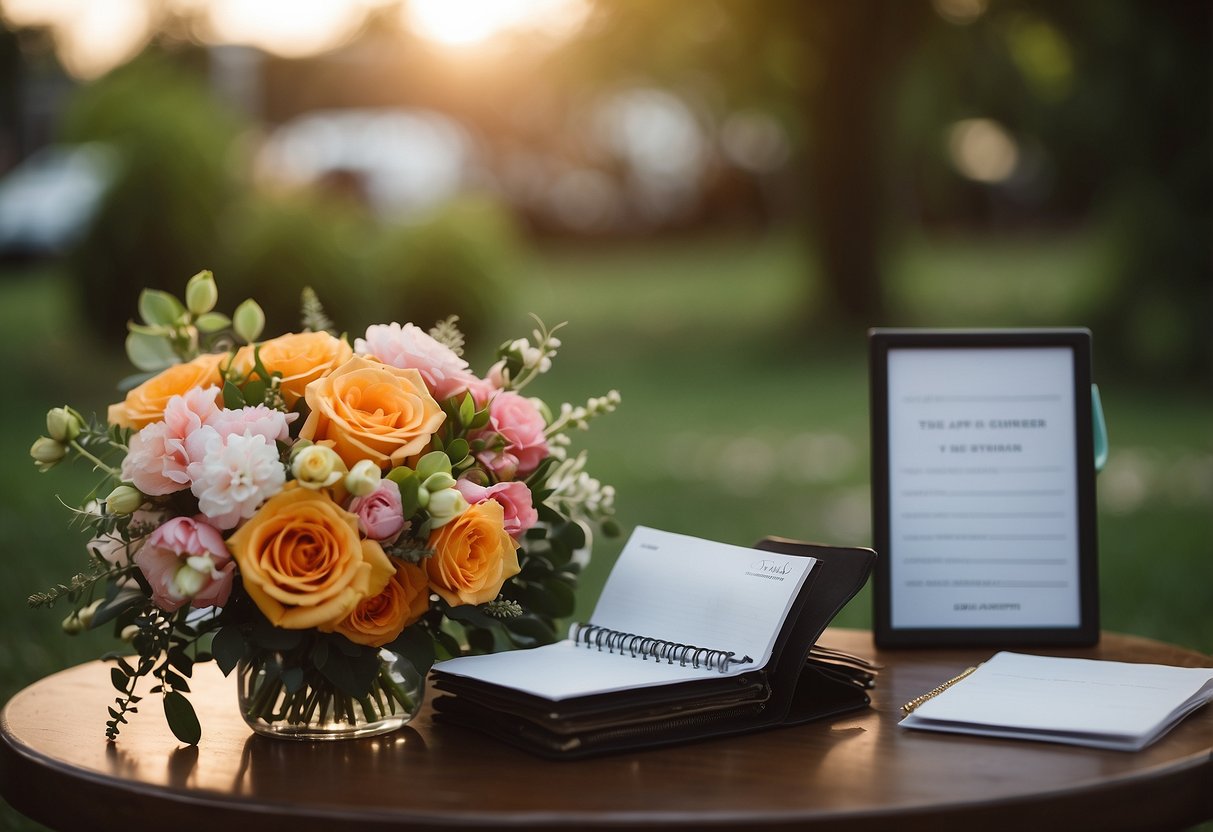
x=378 y=620
x=473 y=556
x=145 y=404
x=372 y=411
x=301 y=358
x=303 y=562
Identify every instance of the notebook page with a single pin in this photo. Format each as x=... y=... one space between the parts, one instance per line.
x=665 y=586
x=564 y=670
x=1080 y=701
x=682 y=589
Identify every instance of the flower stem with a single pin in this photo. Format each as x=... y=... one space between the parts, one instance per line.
x=113 y=472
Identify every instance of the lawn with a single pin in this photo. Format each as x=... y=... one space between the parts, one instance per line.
x=737 y=421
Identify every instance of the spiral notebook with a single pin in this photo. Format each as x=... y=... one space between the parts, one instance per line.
x=689 y=638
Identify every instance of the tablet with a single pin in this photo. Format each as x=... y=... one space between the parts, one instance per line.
x=983 y=487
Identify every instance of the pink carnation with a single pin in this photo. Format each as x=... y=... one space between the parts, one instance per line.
x=256 y=421
x=410 y=347
x=186 y=561
x=519 y=423
x=380 y=513
x=515 y=500
x=156 y=461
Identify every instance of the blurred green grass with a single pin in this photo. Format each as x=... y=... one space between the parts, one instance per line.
x=737 y=421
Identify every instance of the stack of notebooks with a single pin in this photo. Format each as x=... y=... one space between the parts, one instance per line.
x=689 y=639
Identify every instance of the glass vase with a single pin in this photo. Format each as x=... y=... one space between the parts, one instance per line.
x=318 y=710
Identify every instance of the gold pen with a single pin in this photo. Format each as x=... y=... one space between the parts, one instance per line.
x=909 y=707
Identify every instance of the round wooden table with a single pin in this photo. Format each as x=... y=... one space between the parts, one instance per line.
x=860 y=771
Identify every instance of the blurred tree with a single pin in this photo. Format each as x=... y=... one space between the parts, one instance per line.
x=828 y=69
x=158 y=222
x=1108 y=108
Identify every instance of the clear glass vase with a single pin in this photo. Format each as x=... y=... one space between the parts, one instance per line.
x=317 y=710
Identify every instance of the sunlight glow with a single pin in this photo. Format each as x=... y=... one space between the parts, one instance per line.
x=982 y=150
x=92 y=35
x=468 y=22
x=290 y=28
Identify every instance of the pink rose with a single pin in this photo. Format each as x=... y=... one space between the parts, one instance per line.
x=520 y=424
x=186 y=561
x=514 y=497
x=410 y=347
x=157 y=461
x=380 y=514
x=256 y=421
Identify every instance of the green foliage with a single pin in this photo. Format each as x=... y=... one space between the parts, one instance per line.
x=454 y=262
x=174 y=179
x=277 y=245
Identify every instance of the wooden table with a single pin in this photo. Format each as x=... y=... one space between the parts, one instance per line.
x=857 y=772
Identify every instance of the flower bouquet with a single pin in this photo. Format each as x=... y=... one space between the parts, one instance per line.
x=326 y=518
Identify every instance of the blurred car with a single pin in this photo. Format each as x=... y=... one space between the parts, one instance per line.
x=48 y=200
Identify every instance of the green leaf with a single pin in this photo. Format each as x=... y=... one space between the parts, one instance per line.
x=467 y=410
x=447 y=644
x=529 y=631
x=540 y=473
x=158 y=308
x=212 y=322
x=149 y=352
x=352 y=675
x=479 y=420
x=571 y=535
x=254 y=392
x=268 y=636
x=181 y=718
x=233 y=399
x=228 y=649
x=122 y=600
x=416 y=646
x=119 y=679
x=176 y=681
x=457 y=450
x=410 y=500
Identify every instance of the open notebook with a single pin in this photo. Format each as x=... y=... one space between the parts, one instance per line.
x=689 y=638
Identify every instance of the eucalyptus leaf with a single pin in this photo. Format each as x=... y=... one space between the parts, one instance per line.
x=149 y=352
x=212 y=322
x=158 y=308
x=181 y=718
x=119 y=679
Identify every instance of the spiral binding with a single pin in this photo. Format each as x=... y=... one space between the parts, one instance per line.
x=593 y=636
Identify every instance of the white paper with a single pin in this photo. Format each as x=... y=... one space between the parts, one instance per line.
x=669 y=587
x=983 y=503
x=1078 y=701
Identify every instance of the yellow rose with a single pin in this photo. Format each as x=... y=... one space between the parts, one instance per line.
x=303 y=563
x=145 y=404
x=301 y=358
x=372 y=411
x=473 y=556
x=378 y=620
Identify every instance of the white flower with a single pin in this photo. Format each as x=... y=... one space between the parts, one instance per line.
x=411 y=347
x=234 y=475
